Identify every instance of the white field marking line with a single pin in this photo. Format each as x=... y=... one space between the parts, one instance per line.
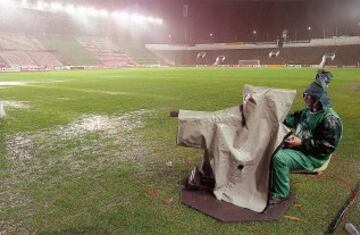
x=116 y=76
x=26 y=83
x=104 y=92
x=83 y=90
x=15 y=83
x=65 y=98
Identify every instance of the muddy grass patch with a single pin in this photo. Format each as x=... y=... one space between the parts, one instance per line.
x=357 y=88
x=91 y=143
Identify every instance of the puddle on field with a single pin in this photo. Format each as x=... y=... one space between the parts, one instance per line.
x=117 y=129
x=92 y=142
x=16 y=104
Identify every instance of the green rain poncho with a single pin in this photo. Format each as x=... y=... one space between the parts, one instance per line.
x=320 y=132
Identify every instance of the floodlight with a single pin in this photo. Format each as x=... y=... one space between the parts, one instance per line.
x=56 y=6
x=7 y=3
x=46 y=5
x=150 y=19
x=124 y=16
x=139 y=19
x=97 y=13
x=104 y=13
x=24 y=3
x=70 y=9
x=115 y=15
x=82 y=11
x=92 y=11
x=154 y=20
x=159 y=21
x=40 y=6
x=121 y=17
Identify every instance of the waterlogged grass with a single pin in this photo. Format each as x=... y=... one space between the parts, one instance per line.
x=120 y=180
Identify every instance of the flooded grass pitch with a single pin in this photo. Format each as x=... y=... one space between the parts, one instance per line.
x=79 y=150
x=95 y=142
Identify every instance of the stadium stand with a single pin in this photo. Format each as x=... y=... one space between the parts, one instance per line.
x=46 y=59
x=110 y=59
x=17 y=59
x=232 y=57
x=52 y=51
x=19 y=42
x=348 y=55
x=2 y=63
x=140 y=54
x=347 y=51
x=106 y=52
x=68 y=50
x=18 y=50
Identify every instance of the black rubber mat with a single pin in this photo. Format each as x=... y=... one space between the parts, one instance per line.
x=205 y=201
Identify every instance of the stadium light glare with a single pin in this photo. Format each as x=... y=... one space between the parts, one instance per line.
x=139 y=19
x=92 y=11
x=41 y=6
x=24 y=3
x=124 y=16
x=115 y=15
x=159 y=21
x=46 y=5
x=70 y=9
x=56 y=6
x=97 y=13
x=121 y=17
x=104 y=13
x=7 y=3
x=150 y=19
x=82 y=11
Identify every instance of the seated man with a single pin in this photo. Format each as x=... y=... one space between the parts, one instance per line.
x=317 y=130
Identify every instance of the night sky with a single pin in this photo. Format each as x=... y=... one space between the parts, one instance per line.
x=233 y=20
x=216 y=20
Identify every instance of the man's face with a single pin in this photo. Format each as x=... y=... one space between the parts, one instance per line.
x=309 y=100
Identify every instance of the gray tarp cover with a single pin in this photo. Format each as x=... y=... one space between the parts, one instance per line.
x=244 y=136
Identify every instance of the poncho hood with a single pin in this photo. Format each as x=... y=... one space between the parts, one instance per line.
x=318 y=88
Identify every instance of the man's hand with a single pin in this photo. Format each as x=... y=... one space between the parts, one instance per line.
x=293 y=142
